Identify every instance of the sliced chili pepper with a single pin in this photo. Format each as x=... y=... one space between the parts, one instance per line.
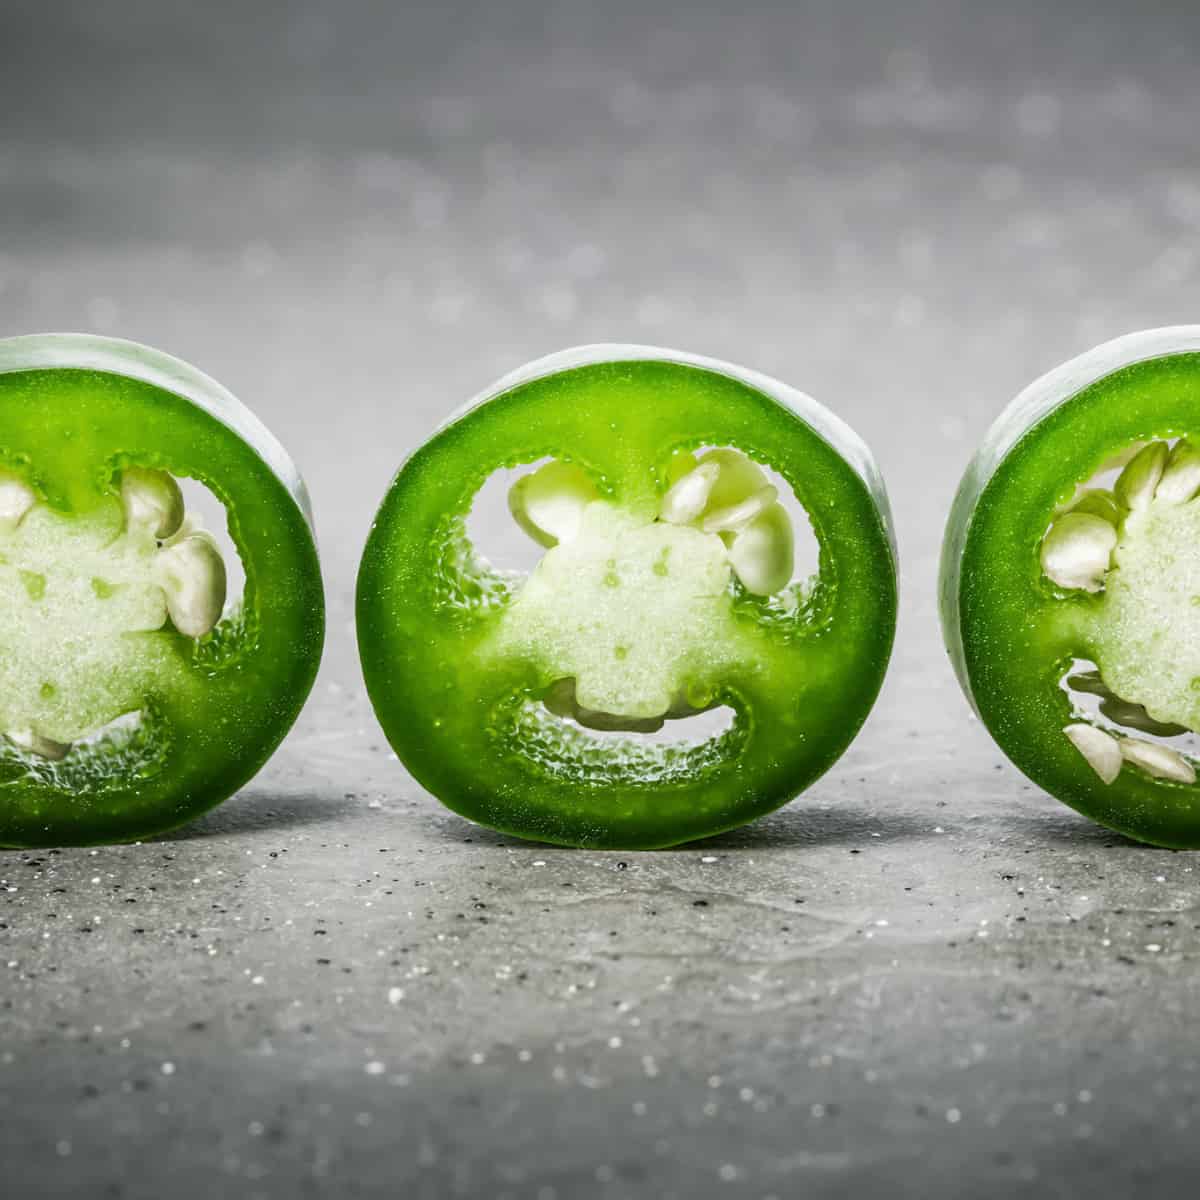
x=1070 y=584
x=132 y=697
x=532 y=704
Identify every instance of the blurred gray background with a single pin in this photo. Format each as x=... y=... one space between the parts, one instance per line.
x=923 y=978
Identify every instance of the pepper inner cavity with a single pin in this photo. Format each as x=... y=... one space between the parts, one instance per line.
x=1134 y=546
x=630 y=618
x=82 y=593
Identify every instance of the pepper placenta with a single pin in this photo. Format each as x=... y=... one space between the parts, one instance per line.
x=546 y=705
x=1070 y=584
x=132 y=696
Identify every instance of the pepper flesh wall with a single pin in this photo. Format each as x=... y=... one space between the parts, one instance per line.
x=1071 y=584
x=553 y=706
x=132 y=697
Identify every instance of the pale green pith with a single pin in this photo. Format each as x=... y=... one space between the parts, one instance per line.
x=1146 y=627
x=80 y=607
x=638 y=613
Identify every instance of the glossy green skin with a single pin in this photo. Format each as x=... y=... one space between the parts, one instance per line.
x=1012 y=633
x=223 y=714
x=798 y=705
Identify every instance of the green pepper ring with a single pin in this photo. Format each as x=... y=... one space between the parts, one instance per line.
x=456 y=716
x=74 y=411
x=1011 y=635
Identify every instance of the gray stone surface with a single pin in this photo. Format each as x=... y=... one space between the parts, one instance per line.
x=924 y=978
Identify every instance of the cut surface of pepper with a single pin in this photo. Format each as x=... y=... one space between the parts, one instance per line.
x=560 y=705
x=133 y=694
x=1071 y=584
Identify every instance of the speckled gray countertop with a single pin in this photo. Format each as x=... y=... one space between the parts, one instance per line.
x=924 y=978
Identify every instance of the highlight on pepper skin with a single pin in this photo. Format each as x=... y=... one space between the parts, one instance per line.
x=148 y=664
x=1071 y=584
x=660 y=673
